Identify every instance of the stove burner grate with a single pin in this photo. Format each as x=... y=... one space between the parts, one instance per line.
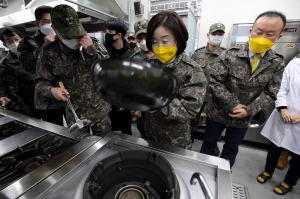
x=31 y=156
x=12 y=128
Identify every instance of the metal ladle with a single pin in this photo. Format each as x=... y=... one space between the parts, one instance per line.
x=78 y=123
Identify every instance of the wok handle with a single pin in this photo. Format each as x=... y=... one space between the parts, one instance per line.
x=202 y=184
x=61 y=85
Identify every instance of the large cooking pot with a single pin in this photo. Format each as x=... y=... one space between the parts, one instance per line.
x=134 y=85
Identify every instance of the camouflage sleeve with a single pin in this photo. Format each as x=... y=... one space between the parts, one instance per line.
x=8 y=79
x=99 y=49
x=27 y=56
x=190 y=97
x=44 y=75
x=270 y=93
x=217 y=76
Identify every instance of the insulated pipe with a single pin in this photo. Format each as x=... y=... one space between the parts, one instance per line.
x=98 y=11
x=4 y=4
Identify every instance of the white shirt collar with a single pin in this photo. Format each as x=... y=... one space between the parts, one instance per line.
x=251 y=53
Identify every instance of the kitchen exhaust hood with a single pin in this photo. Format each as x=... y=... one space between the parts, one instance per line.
x=92 y=13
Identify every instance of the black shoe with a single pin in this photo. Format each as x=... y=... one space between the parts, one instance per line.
x=217 y=151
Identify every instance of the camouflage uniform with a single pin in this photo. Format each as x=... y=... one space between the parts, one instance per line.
x=206 y=59
x=132 y=34
x=28 y=50
x=297 y=56
x=19 y=84
x=171 y=124
x=231 y=82
x=57 y=62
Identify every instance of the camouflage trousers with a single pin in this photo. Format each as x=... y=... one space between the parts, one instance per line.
x=168 y=131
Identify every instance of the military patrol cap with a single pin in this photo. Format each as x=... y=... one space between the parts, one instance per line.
x=131 y=34
x=66 y=21
x=140 y=26
x=217 y=26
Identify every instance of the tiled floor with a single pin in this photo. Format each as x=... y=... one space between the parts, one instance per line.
x=249 y=163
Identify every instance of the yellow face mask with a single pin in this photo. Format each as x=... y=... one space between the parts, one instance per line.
x=165 y=54
x=260 y=44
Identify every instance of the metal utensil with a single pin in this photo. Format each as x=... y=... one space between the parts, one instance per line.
x=78 y=123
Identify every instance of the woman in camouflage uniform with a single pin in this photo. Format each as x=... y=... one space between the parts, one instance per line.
x=171 y=124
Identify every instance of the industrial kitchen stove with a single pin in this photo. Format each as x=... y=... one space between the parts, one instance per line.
x=45 y=161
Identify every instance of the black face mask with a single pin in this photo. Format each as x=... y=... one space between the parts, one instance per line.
x=132 y=45
x=109 y=38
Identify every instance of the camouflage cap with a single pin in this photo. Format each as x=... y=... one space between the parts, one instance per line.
x=131 y=34
x=217 y=26
x=66 y=21
x=141 y=26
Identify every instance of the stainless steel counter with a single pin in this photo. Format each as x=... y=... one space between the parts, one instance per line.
x=67 y=182
x=62 y=176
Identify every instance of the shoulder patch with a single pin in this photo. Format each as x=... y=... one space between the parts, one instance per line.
x=45 y=46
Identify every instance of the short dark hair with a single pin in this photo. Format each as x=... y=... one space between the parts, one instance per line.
x=172 y=21
x=117 y=25
x=9 y=32
x=273 y=13
x=40 y=11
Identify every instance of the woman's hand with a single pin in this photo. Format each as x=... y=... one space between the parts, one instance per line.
x=295 y=119
x=286 y=116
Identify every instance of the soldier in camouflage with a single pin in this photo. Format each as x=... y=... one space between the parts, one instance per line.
x=19 y=83
x=142 y=54
x=63 y=60
x=131 y=38
x=166 y=37
x=28 y=50
x=243 y=80
x=205 y=57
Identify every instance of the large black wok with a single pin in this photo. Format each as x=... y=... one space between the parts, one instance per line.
x=134 y=85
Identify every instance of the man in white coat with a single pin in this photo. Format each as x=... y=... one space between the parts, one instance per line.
x=283 y=129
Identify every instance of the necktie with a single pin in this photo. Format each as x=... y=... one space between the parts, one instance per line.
x=255 y=61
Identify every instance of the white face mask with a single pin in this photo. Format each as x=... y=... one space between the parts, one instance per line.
x=47 y=29
x=215 y=40
x=71 y=43
x=13 y=48
x=143 y=45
